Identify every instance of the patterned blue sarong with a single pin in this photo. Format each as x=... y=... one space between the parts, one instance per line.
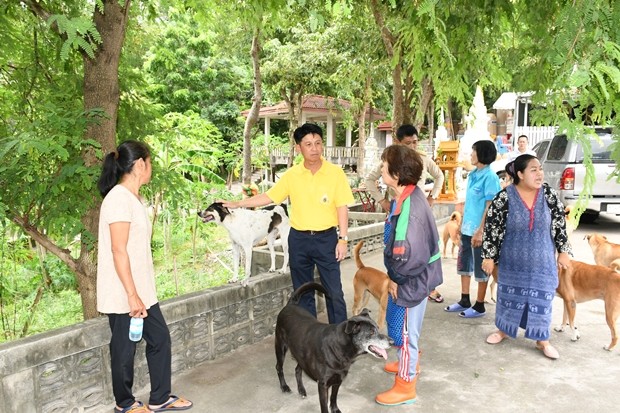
x=528 y=273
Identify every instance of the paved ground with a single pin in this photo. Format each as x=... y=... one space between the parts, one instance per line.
x=460 y=372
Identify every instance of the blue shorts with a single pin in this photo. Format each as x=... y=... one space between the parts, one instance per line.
x=469 y=261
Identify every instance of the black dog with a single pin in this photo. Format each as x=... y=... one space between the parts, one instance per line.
x=325 y=352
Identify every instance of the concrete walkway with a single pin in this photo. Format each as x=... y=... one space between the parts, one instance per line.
x=460 y=372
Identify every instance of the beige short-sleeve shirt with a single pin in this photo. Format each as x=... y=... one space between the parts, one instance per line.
x=120 y=205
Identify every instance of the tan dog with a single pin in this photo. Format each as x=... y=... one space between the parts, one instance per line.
x=604 y=251
x=452 y=232
x=368 y=279
x=584 y=282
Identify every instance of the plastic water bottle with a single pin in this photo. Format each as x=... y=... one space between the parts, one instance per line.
x=135 y=328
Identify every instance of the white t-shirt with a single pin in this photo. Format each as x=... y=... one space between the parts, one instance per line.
x=515 y=154
x=120 y=205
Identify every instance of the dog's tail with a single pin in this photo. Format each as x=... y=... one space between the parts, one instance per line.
x=356 y=252
x=296 y=296
x=615 y=265
x=455 y=216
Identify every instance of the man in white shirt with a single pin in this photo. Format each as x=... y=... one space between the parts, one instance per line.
x=522 y=149
x=407 y=135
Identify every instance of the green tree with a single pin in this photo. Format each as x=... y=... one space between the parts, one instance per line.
x=185 y=74
x=251 y=20
x=363 y=72
x=57 y=178
x=302 y=63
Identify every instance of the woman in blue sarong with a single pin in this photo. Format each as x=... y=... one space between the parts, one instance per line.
x=524 y=228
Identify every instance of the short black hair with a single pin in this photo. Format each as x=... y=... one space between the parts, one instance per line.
x=306 y=129
x=486 y=152
x=403 y=162
x=406 y=130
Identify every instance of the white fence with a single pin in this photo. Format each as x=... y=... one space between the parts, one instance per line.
x=348 y=155
x=535 y=134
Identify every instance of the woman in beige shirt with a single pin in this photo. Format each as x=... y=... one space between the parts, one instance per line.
x=126 y=280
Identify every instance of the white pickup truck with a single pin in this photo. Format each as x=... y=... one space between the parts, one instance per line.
x=565 y=172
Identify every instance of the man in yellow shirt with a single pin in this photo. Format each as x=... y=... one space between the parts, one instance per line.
x=319 y=193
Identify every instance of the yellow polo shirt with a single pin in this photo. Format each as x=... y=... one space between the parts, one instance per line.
x=314 y=198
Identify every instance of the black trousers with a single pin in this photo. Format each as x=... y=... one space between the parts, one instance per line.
x=158 y=357
x=307 y=250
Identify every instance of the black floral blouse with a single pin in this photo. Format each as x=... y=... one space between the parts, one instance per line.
x=497 y=215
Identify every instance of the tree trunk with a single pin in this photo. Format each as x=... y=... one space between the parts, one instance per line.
x=361 y=141
x=449 y=120
x=408 y=112
x=430 y=115
x=361 y=125
x=293 y=103
x=254 y=110
x=101 y=92
x=427 y=95
x=389 y=41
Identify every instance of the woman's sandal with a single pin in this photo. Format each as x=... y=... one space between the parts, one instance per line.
x=496 y=338
x=549 y=351
x=436 y=297
x=173 y=405
x=139 y=407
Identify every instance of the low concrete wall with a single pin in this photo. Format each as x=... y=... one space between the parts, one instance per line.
x=68 y=369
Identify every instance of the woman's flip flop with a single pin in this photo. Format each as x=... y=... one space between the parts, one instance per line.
x=172 y=405
x=436 y=298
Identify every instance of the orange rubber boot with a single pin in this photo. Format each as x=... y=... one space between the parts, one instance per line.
x=393 y=366
x=403 y=392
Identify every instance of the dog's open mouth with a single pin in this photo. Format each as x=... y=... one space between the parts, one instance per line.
x=377 y=351
x=207 y=218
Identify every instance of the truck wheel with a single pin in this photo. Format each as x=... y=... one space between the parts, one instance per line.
x=588 y=217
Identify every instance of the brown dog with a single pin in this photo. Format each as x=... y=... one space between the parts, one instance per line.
x=584 y=282
x=604 y=251
x=368 y=279
x=452 y=232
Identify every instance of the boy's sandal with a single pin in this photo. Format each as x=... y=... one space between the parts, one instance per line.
x=173 y=405
x=471 y=313
x=139 y=407
x=456 y=307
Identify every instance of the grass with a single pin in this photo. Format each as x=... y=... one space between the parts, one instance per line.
x=181 y=267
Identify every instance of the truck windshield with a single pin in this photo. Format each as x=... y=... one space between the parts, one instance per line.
x=601 y=152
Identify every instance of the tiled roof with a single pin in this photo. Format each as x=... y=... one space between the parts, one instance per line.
x=387 y=125
x=313 y=104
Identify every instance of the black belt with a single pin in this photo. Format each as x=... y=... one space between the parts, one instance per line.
x=313 y=232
